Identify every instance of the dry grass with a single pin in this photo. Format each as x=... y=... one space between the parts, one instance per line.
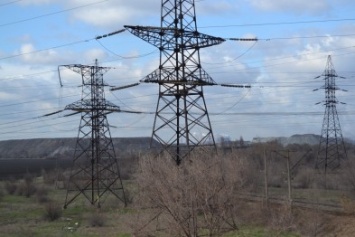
x=53 y=211
x=198 y=198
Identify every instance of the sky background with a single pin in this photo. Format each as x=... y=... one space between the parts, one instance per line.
x=295 y=38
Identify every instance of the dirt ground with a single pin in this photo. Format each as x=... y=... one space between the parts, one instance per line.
x=338 y=225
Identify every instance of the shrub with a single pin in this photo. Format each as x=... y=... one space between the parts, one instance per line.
x=28 y=178
x=281 y=218
x=1 y=194
x=129 y=196
x=199 y=196
x=49 y=177
x=97 y=220
x=11 y=187
x=304 y=179
x=53 y=211
x=42 y=195
x=26 y=189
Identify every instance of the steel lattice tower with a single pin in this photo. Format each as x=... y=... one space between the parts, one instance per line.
x=181 y=120
x=331 y=146
x=95 y=170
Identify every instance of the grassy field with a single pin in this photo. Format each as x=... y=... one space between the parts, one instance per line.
x=29 y=216
x=33 y=206
x=33 y=216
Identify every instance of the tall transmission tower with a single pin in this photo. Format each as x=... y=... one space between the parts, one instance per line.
x=95 y=172
x=331 y=146
x=181 y=119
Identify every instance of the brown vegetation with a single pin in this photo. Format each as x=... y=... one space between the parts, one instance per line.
x=53 y=211
x=208 y=195
x=199 y=196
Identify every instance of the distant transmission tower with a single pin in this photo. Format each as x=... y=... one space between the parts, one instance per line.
x=331 y=146
x=181 y=120
x=95 y=171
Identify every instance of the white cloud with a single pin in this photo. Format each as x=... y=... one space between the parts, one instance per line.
x=37 y=2
x=45 y=57
x=115 y=14
x=268 y=65
x=95 y=54
x=315 y=7
x=213 y=8
x=6 y=96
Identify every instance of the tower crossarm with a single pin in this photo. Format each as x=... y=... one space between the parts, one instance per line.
x=165 y=38
x=86 y=72
x=79 y=68
x=88 y=105
x=167 y=75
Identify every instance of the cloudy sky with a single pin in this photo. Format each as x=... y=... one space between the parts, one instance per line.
x=295 y=38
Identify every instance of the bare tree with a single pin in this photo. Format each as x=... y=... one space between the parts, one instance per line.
x=241 y=142
x=199 y=197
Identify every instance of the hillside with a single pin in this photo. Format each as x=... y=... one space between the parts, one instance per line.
x=309 y=139
x=63 y=147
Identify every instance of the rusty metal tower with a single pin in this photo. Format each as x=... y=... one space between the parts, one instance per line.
x=95 y=172
x=331 y=146
x=181 y=119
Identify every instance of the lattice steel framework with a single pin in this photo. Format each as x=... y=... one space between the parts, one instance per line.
x=331 y=146
x=181 y=120
x=95 y=172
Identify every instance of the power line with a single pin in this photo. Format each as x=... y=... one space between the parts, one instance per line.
x=279 y=113
x=30 y=128
x=25 y=112
x=49 y=14
x=126 y=57
x=147 y=54
x=77 y=42
x=279 y=23
x=31 y=101
x=25 y=75
x=47 y=49
x=307 y=37
x=288 y=57
x=8 y=3
x=239 y=56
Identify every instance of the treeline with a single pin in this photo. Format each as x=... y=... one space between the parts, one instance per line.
x=18 y=168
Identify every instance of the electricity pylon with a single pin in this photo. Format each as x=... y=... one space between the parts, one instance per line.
x=95 y=172
x=181 y=119
x=331 y=146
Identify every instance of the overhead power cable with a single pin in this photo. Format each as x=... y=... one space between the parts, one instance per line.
x=279 y=23
x=43 y=50
x=239 y=56
x=290 y=38
x=99 y=37
x=49 y=14
x=24 y=75
x=31 y=101
x=307 y=37
x=61 y=46
x=21 y=130
x=287 y=57
x=8 y=3
x=279 y=113
x=125 y=57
